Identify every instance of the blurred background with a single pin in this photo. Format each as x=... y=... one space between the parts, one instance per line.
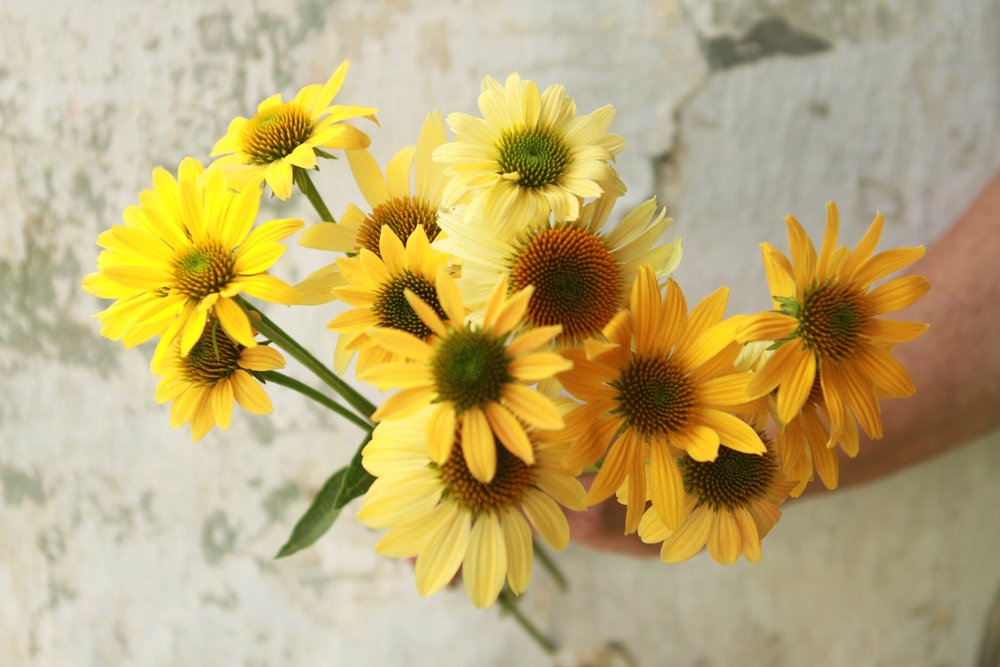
x=124 y=543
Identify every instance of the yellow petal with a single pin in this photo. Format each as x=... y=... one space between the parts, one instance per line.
x=733 y=432
x=897 y=294
x=401 y=343
x=510 y=432
x=532 y=407
x=549 y=521
x=249 y=394
x=478 y=445
x=438 y=562
x=485 y=564
x=441 y=432
x=234 y=320
x=768 y=325
x=222 y=403
x=538 y=366
x=689 y=538
x=666 y=488
x=796 y=386
x=518 y=543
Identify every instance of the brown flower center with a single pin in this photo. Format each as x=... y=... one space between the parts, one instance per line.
x=575 y=276
x=832 y=320
x=732 y=480
x=275 y=133
x=513 y=476
x=394 y=311
x=213 y=358
x=402 y=215
x=203 y=269
x=655 y=396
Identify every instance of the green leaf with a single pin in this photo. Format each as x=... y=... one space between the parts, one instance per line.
x=345 y=485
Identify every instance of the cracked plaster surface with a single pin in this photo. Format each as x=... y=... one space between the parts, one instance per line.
x=124 y=543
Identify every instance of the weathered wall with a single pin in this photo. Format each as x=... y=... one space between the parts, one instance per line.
x=122 y=543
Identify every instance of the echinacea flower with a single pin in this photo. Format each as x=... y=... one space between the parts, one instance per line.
x=662 y=386
x=216 y=371
x=442 y=514
x=581 y=273
x=376 y=286
x=730 y=504
x=827 y=326
x=184 y=254
x=477 y=378
x=393 y=203
x=284 y=135
x=530 y=154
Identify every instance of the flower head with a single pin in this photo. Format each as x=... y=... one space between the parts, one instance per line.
x=477 y=378
x=376 y=286
x=445 y=516
x=581 y=273
x=662 y=386
x=283 y=135
x=730 y=504
x=185 y=253
x=827 y=330
x=204 y=383
x=530 y=154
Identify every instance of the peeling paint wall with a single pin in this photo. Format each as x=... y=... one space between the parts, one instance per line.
x=123 y=543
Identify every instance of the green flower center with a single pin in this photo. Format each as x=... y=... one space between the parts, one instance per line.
x=539 y=157
x=655 y=396
x=576 y=280
x=733 y=480
x=203 y=269
x=394 y=311
x=470 y=369
x=213 y=358
x=832 y=320
x=402 y=215
x=275 y=133
x=513 y=476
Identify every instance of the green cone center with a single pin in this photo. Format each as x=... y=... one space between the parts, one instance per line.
x=402 y=215
x=203 y=269
x=538 y=156
x=732 y=480
x=394 y=311
x=470 y=369
x=832 y=320
x=275 y=133
x=213 y=358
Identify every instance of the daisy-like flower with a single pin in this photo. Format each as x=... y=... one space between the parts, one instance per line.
x=186 y=252
x=827 y=327
x=730 y=504
x=204 y=383
x=393 y=203
x=661 y=387
x=530 y=154
x=580 y=272
x=376 y=287
x=284 y=135
x=475 y=376
x=443 y=515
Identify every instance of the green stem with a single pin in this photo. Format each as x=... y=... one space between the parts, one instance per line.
x=508 y=604
x=550 y=566
x=302 y=355
x=322 y=399
x=303 y=180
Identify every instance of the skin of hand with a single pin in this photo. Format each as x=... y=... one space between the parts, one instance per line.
x=955 y=365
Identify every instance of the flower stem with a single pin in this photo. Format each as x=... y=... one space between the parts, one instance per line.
x=508 y=605
x=309 y=392
x=303 y=180
x=550 y=566
x=302 y=355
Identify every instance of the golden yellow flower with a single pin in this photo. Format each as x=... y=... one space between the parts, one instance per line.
x=730 y=504
x=581 y=273
x=439 y=512
x=393 y=202
x=662 y=386
x=477 y=379
x=530 y=154
x=827 y=327
x=284 y=135
x=375 y=286
x=204 y=383
x=185 y=253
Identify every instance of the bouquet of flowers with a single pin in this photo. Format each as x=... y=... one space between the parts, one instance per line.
x=530 y=339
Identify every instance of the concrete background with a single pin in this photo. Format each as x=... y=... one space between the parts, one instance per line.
x=123 y=543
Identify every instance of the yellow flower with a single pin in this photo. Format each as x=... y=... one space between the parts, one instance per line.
x=204 y=383
x=530 y=154
x=186 y=252
x=393 y=203
x=283 y=135
x=580 y=272
x=443 y=515
x=375 y=286
x=827 y=327
x=661 y=386
x=730 y=504
x=477 y=379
